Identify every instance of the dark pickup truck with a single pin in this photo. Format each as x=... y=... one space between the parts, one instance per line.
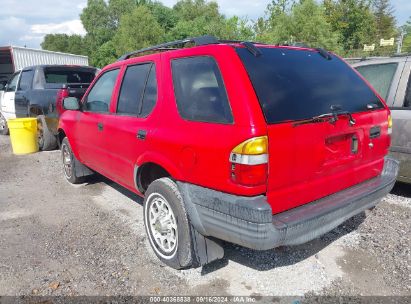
x=38 y=91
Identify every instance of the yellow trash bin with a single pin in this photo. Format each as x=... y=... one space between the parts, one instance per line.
x=23 y=135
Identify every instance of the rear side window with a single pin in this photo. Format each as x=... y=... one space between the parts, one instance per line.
x=99 y=97
x=26 y=80
x=380 y=76
x=300 y=84
x=68 y=75
x=138 y=92
x=200 y=91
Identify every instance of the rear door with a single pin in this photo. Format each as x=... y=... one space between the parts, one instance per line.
x=310 y=159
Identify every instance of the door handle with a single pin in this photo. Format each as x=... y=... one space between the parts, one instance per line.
x=100 y=126
x=141 y=134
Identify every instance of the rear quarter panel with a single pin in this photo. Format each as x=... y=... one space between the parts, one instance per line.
x=200 y=151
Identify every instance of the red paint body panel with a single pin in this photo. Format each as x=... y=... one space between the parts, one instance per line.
x=301 y=168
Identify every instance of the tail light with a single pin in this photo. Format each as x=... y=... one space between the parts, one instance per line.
x=61 y=94
x=249 y=162
x=389 y=124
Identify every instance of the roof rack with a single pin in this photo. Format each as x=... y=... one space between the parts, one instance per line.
x=198 y=41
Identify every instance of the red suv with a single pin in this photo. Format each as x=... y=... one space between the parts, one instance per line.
x=254 y=144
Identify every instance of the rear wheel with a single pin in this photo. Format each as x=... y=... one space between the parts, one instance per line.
x=4 y=129
x=167 y=224
x=46 y=140
x=69 y=163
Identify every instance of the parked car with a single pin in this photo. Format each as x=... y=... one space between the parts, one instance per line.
x=38 y=91
x=390 y=76
x=258 y=145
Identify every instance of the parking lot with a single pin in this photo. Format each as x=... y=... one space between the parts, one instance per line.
x=60 y=239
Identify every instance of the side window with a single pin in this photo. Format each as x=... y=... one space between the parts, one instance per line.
x=200 y=91
x=99 y=97
x=407 y=99
x=26 y=80
x=379 y=76
x=133 y=89
x=12 y=83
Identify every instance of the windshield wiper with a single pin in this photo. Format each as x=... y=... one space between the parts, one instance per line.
x=332 y=118
x=320 y=118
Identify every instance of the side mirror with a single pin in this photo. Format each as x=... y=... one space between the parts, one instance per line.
x=71 y=103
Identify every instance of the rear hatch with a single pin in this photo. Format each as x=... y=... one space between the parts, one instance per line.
x=343 y=145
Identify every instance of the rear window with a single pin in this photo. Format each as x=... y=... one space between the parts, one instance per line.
x=54 y=75
x=296 y=84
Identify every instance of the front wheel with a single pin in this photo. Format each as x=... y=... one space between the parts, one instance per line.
x=167 y=225
x=4 y=129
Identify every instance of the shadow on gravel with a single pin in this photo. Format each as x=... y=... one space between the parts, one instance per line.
x=282 y=256
x=98 y=178
x=258 y=260
x=402 y=189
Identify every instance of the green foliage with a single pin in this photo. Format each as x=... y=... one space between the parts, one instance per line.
x=137 y=30
x=73 y=44
x=384 y=19
x=406 y=44
x=115 y=27
x=353 y=20
x=105 y=54
x=303 y=22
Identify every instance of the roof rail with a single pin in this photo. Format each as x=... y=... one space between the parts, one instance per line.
x=198 y=41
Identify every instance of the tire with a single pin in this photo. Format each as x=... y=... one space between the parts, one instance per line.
x=46 y=140
x=4 y=129
x=163 y=227
x=69 y=163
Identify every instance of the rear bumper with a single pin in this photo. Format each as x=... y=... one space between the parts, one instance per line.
x=249 y=221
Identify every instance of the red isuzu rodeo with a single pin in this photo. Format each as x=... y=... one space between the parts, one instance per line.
x=258 y=145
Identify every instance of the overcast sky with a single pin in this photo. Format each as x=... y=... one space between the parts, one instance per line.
x=25 y=22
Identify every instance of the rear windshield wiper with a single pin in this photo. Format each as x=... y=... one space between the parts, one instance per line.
x=332 y=118
x=320 y=118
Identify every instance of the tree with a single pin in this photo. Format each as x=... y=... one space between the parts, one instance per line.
x=137 y=30
x=73 y=44
x=353 y=20
x=289 y=22
x=196 y=18
x=164 y=15
x=105 y=54
x=309 y=25
x=384 y=18
x=406 y=44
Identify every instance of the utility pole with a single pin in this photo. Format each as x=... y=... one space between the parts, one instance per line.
x=400 y=40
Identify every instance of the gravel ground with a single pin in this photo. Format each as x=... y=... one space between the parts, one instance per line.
x=60 y=239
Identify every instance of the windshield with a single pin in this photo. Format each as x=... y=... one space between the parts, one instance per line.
x=300 y=84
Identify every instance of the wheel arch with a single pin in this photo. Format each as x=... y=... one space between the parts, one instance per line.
x=150 y=167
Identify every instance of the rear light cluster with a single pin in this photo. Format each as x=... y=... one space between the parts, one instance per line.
x=249 y=162
x=389 y=124
x=61 y=94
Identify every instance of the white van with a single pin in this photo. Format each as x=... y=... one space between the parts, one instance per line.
x=7 y=105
